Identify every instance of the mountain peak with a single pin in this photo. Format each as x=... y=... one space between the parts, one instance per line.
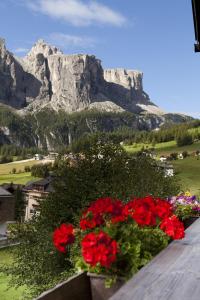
x=43 y=47
x=2 y=45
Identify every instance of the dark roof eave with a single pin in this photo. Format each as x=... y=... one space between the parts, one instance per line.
x=196 y=18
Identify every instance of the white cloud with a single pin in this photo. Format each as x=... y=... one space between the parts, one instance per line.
x=71 y=41
x=21 y=50
x=77 y=12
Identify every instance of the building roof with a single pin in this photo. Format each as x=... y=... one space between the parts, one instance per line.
x=12 y=187
x=196 y=17
x=4 y=193
x=45 y=183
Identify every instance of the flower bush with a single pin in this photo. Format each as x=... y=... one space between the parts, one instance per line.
x=117 y=239
x=185 y=205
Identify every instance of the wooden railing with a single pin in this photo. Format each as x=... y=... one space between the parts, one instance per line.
x=76 y=288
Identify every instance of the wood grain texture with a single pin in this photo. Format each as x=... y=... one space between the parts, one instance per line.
x=174 y=274
x=75 y=288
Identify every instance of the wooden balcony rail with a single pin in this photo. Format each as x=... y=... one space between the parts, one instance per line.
x=75 y=288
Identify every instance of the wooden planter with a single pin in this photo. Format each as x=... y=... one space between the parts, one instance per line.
x=98 y=289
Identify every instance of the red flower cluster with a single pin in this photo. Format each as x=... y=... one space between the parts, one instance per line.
x=63 y=236
x=173 y=227
x=142 y=211
x=96 y=214
x=146 y=211
x=99 y=248
x=163 y=209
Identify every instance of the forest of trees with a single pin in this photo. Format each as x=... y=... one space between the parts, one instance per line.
x=59 y=129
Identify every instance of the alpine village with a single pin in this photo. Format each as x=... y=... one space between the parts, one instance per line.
x=99 y=185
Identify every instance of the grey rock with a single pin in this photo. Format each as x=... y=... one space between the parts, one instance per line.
x=48 y=78
x=12 y=89
x=125 y=88
x=76 y=80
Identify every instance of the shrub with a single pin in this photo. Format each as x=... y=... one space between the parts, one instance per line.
x=5 y=159
x=20 y=205
x=14 y=170
x=41 y=170
x=27 y=169
x=184 y=140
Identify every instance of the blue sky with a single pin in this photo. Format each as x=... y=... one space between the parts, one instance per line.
x=154 y=36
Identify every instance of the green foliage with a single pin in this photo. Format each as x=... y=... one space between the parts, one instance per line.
x=60 y=128
x=138 y=245
x=184 y=211
x=27 y=169
x=41 y=170
x=36 y=263
x=5 y=159
x=7 y=292
x=14 y=170
x=184 y=139
x=19 y=152
x=20 y=205
x=106 y=170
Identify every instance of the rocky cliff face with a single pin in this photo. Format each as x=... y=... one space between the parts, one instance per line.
x=12 y=89
x=125 y=88
x=48 y=78
x=76 y=80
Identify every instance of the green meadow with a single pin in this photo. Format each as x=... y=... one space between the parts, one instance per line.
x=19 y=166
x=20 y=177
x=163 y=148
x=187 y=170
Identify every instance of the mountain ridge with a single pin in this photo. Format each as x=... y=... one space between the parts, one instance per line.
x=47 y=77
x=73 y=94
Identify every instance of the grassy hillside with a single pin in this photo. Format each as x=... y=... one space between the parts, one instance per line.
x=19 y=166
x=194 y=130
x=188 y=170
x=164 y=148
x=6 y=175
x=21 y=178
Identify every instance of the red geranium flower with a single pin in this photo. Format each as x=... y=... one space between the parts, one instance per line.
x=90 y=221
x=173 y=227
x=142 y=210
x=163 y=209
x=101 y=209
x=63 y=236
x=99 y=248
